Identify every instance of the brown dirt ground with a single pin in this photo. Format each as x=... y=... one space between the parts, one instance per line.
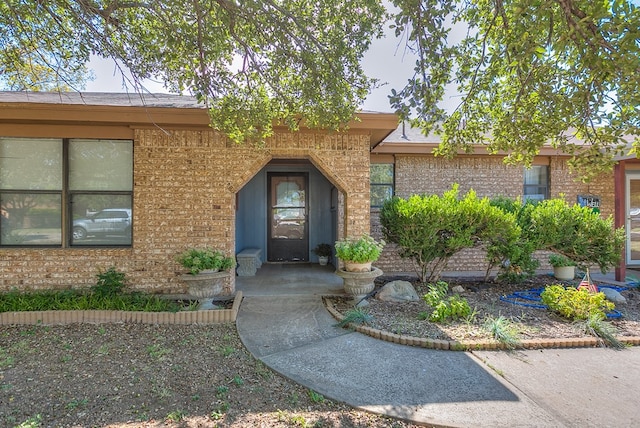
x=133 y=375
x=484 y=299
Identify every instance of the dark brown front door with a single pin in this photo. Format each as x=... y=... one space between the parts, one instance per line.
x=288 y=231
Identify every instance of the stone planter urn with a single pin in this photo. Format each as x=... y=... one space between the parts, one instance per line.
x=359 y=284
x=357 y=267
x=205 y=286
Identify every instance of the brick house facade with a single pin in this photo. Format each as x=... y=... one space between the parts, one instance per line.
x=418 y=172
x=191 y=187
x=186 y=179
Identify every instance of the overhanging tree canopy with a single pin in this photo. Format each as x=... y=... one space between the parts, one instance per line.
x=530 y=72
x=252 y=61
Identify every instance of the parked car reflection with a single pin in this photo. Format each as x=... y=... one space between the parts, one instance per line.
x=288 y=223
x=109 y=221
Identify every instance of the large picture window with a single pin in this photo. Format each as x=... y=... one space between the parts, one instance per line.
x=65 y=192
x=381 y=181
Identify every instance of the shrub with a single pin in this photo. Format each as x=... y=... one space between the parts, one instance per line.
x=516 y=258
x=430 y=229
x=437 y=292
x=578 y=233
x=575 y=304
x=109 y=283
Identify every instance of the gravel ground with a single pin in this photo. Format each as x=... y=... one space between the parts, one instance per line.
x=133 y=375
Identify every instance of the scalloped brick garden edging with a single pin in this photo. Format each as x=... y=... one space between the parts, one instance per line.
x=473 y=345
x=213 y=316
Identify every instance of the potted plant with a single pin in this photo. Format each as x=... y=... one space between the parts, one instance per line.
x=358 y=276
x=358 y=253
x=208 y=269
x=323 y=251
x=564 y=268
x=204 y=260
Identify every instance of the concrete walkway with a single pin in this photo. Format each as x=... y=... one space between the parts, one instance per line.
x=283 y=322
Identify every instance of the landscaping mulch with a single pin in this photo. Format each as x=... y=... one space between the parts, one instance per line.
x=484 y=299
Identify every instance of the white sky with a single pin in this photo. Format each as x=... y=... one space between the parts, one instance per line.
x=380 y=63
x=385 y=61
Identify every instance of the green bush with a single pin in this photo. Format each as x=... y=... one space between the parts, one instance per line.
x=430 y=229
x=437 y=293
x=109 y=283
x=578 y=233
x=516 y=257
x=576 y=304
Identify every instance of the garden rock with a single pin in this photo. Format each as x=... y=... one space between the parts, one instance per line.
x=458 y=289
x=398 y=291
x=613 y=295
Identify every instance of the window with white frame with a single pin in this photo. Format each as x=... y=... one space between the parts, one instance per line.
x=382 y=183
x=65 y=192
x=536 y=183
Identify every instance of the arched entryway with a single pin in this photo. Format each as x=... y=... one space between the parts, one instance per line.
x=286 y=210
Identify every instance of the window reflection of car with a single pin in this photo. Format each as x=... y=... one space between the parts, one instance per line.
x=287 y=225
x=110 y=221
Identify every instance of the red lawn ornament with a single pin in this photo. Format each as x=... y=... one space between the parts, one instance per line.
x=588 y=284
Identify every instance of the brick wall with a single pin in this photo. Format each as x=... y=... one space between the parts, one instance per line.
x=184 y=196
x=487 y=176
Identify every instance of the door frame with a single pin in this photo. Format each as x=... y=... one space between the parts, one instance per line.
x=629 y=176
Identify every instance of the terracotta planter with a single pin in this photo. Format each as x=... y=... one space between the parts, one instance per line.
x=204 y=286
x=357 y=267
x=564 y=273
x=358 y=284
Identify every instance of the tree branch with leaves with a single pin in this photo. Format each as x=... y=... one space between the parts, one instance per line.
x=531 y=72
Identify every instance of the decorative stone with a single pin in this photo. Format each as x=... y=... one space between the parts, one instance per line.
x=249 y=260
x=458 y=289
x=613 y=295
x=359 y=284
x=398 y=291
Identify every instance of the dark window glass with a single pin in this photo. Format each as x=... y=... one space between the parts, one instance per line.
x=536 y=183
x=382 y=183
x=98 y=189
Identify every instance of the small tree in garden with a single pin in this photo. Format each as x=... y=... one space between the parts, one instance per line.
x=431 y=229
x=578 y=233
